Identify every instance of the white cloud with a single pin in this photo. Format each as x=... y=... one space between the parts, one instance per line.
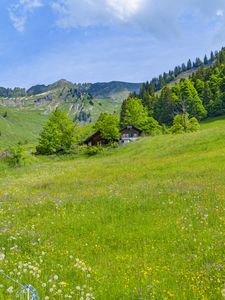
x=76 y=13
x=20 y=10
x=220 y=13
x=157 y=17
x=124 y=9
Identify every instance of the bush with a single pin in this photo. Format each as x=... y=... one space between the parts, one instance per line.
x=151 y=126
x=19 y=157
x=93 y=150
x=193 y=125
x=179 y=127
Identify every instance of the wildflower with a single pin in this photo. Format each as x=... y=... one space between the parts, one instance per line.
x=46 y=298
x=2 y=256
x=56 y=277
x=10 y=290
x=223 y=292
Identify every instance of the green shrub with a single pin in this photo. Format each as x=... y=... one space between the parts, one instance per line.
x=19 y=157
x=93 y=150
x=179 y=124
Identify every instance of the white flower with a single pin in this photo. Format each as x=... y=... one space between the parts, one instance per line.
x=46 y=297
x=2 y=256
x=223 y=292
x=43 y=284
x=56 y=277
x=10 y=290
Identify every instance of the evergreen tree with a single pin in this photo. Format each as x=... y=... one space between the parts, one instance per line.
x=212 y=57
x=161 y=82
x=190 y=102
x=207 y=94
x=152 y=89
x=164 y=110
x=189 y=65
x=198 y=62
x=148 y=102
x=183 y=67
x=206 y=60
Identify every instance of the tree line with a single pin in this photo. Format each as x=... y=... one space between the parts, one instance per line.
x=159 y=82
x=201 y=95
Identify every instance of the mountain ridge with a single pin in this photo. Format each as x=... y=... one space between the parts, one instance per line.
x=92 y=88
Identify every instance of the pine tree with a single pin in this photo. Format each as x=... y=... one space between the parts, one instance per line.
x=164 y=110
x=206 y=60
x=183 y=67
x=212 y=57
x=189 y=65
x=198 y=62
x=207 y=94
x=190 y=102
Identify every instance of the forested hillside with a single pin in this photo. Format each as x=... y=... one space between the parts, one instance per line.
x=182 y=71
x=201 y=95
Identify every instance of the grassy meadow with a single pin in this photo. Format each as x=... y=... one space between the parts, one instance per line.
x=21 y=125
x=145 y=221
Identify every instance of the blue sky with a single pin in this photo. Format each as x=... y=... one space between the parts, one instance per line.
x=42 y=41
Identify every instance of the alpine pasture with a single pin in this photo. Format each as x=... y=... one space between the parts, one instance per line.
x=144 y=221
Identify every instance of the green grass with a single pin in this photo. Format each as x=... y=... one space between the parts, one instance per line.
x=20 y=125
x=148 y=219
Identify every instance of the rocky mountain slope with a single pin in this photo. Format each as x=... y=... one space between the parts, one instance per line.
x=84 y=102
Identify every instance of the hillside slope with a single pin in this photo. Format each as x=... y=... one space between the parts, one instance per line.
x=19 y=126
x=142 y=221
x=83 y=102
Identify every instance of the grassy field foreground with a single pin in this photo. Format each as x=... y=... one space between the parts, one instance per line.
x=142 y=222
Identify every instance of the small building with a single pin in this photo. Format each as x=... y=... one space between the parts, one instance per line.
x=95 y=140
x=129 y=134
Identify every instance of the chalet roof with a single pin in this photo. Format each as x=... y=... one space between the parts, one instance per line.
x=98 y=133
x=131 y=127
x=89 y=139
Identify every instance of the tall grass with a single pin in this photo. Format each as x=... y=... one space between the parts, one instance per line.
x=144 y=221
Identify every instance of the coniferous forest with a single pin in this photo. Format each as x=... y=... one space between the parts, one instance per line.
x=201 y=95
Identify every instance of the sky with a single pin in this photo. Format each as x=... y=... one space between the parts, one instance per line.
x=42 y=41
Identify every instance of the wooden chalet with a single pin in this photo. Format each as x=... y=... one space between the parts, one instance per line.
x=95 y=140
x=129 y=134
